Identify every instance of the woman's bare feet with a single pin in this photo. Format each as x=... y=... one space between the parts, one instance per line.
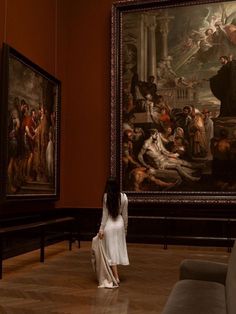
x=115 y=273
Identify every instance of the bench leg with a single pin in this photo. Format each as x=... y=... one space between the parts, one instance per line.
x=1 y=256
x=70 y=240
x=74 y=235
x=42 y=244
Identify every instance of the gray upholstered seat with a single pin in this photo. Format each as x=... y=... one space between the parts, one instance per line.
x=196 y=297
x=205 y=287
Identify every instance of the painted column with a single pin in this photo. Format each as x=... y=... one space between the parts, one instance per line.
x=164 y=29
x=142 y=49
x=152 y=46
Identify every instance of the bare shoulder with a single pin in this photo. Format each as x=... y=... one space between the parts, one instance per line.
x=124 y=197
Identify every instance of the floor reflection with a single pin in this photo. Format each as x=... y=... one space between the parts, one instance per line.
x=109 y=301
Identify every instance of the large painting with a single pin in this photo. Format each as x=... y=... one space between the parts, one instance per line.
x=30 y=120
x=173 y=104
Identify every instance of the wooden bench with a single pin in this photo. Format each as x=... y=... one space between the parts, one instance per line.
x=41 y=225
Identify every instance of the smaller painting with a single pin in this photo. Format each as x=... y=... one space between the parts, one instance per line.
x=30 y=117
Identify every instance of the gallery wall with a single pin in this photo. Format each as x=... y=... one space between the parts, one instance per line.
x=30 y=27
x=71 y=40
x=85 y=35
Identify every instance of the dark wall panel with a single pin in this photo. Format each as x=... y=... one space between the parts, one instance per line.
x=146 y=226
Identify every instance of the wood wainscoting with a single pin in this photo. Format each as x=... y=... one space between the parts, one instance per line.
x=151 y=225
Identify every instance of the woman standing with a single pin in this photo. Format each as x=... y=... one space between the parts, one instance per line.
x=114 y=226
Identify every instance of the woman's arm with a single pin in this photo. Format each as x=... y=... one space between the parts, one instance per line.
x=124 y=212
x=104 y=217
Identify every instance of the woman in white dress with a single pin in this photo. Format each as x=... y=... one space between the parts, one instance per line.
x=114 y=224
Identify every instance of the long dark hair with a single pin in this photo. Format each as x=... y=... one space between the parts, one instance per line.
x=113 y=197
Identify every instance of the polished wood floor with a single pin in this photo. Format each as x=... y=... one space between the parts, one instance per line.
x=65 y=282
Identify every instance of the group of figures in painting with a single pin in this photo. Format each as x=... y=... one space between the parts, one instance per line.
x=165 y=153
x=171 y=137
x=31 y=141
x=176 y=145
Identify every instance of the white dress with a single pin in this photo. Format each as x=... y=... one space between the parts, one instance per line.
x=115 y=233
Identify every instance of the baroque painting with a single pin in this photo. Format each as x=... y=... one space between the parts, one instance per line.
x=31 y=98
x=177 y=94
